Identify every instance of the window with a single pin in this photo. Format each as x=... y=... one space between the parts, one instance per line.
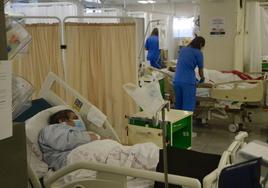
x=183 y=27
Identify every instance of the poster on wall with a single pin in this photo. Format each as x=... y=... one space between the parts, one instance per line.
x=5 y=100
x=217 y=26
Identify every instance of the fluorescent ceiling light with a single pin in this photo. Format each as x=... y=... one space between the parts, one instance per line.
x=93 y=1
x=143 y=2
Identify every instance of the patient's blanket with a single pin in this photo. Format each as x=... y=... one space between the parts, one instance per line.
x=243 y=76
x=139 y=156
x=215 y=77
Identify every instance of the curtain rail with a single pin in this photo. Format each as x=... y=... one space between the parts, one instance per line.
x=42 y=4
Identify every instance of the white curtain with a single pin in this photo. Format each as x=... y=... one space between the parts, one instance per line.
x=196 y=18
x=264 y=30
x=252 y=54
x=239 y=37
x=59 y=10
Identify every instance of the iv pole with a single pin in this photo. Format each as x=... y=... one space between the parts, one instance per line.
x=164 y=106
x=163 y=126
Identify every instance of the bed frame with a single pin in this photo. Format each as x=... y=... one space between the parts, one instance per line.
x=240 y=96
x=253 y=94
x=113 y=176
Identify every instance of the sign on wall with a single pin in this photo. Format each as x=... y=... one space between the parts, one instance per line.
x=5 y=100
x=217 y=26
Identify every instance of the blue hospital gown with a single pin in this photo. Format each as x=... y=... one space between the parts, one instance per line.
x=56 y=142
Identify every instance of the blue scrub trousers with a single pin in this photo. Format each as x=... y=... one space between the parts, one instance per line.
x=185 y=96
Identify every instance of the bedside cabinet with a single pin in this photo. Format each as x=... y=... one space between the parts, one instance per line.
x=178 y=130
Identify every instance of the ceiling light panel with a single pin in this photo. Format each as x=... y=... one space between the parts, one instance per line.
x=143 y=2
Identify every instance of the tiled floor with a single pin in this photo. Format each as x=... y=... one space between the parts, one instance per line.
x=215 y=138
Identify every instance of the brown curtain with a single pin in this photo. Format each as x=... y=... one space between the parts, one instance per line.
x=41 y=56
x=100 y=59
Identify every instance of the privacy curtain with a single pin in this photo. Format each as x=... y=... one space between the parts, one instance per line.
x=253 y=47
x=100 y=59
x=239 y=36
x=41 y=56
x=264 y=30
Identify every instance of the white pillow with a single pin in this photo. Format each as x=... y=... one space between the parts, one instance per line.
x=39 y=121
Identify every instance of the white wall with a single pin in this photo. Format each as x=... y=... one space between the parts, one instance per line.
x=175 y=9
x=219 y=50
x=165 y=12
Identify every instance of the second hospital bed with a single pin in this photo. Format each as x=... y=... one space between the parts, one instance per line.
x=230 y=96
x=227 y=95
x=109 y=175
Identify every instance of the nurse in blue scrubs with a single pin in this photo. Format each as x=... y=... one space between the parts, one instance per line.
x=185 y=82
x=152 y=45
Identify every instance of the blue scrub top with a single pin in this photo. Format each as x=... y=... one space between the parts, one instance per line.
x=152 y=45
x=189 y=59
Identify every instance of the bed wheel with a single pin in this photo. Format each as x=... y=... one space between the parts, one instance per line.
x=234 y=127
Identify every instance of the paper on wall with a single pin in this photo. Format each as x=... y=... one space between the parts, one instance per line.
x=5 y=100
x=217 y=26
x=162 y=30
x=96 y=117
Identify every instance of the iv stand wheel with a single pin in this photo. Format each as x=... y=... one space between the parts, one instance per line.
x=234 y=127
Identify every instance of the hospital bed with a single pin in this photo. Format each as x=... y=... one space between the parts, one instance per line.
x=230 y=100
x=226 y=99
x=109 y=175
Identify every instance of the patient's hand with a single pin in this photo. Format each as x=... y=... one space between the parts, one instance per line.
x=93 y=136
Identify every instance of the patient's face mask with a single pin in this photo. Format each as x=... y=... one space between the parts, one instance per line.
x=79 y=124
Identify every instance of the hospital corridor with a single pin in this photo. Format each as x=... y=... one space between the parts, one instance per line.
x=134 y=93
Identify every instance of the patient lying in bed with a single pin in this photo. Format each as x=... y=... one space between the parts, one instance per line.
x=215 y=76
x=63 y=144
x=65 y=141
x=64 y=133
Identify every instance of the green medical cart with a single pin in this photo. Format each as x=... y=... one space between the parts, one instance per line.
x=178 y=134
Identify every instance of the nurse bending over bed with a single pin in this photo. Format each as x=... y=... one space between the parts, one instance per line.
x=64 y=133
x=190 y=57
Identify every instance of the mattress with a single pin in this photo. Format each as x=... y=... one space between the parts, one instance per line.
x=38 y=105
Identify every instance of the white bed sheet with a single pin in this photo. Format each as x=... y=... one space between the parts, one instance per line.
x=140 y=156
x=131 y=182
